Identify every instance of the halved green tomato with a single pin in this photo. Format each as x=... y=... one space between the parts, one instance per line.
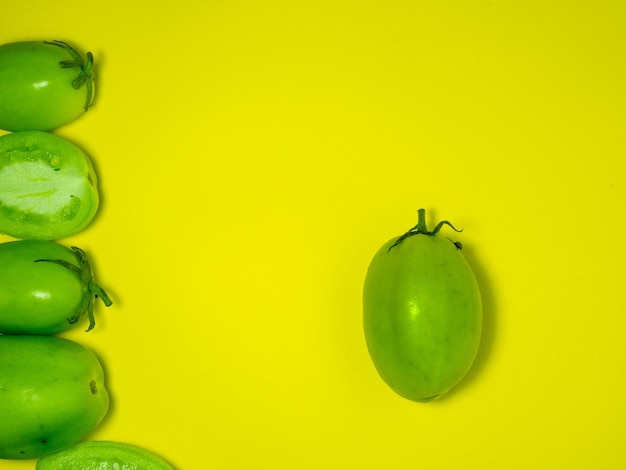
x=49 y=187
x=97 y=455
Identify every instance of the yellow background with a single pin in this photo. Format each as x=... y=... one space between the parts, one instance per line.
x=252 y=157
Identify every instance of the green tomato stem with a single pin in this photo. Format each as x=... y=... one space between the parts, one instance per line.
x=421 y=221
x=422 y=229
x=85 y=68
x=91 y=290
x=87 y=71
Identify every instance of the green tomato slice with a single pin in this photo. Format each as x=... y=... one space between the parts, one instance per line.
x=49 y=187
x=97 y=455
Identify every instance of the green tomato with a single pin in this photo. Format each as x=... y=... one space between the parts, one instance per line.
x=98 y=455
x=45 y=288
x=52 y=395
x=422 y=313
x=43 y=85
x=49 y=187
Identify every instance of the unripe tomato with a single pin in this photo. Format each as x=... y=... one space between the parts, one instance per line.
x=45 y=288
x=43 y=85
x=49 y=187
x=99 y=455
x=52 y=395
x=422 y=313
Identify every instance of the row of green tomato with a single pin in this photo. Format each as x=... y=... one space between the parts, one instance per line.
x=52 y=389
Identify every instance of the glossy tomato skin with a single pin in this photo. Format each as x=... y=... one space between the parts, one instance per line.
x=49 y=186
x=38 y=293
x=422 y=315
x=53 y=394
x=43 y=85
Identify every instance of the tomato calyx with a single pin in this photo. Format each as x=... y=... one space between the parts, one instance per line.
x=91 y=290
x=84 y=67
x=421 y=229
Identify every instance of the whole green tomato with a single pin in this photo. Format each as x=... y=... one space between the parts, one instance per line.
x=422 y=313
x=49 y=187
x=99 y=455
x=43 y=85
x=52 y=394
x=45 y=288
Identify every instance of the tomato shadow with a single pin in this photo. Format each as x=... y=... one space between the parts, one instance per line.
x=490 y=325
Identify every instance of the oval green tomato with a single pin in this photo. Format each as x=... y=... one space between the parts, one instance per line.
x=49 y=187
x=43 y=85
x=45 y=288
x=422 y=313
x=52 y=395
x=98 y=455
